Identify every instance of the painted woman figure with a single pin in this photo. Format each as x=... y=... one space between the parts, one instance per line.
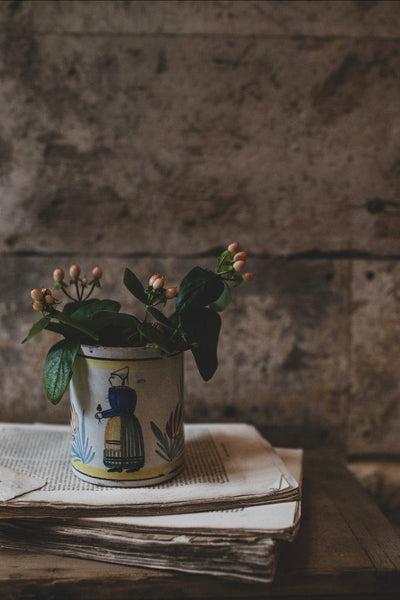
x=123 y=438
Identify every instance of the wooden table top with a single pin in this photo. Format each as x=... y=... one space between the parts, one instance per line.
x=346 y=548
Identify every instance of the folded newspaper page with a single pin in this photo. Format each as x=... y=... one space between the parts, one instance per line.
x=279 y=520
x=226 y=466
x=13 y=483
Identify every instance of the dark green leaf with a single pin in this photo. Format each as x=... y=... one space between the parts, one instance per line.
x=134 y=286
x=58 y=368
x=159 y=316
x=116 y=329
x=224 y=300
x=37 y=328
x=77 y=325
x=199 y=288
x=71 y=307
x=62 y=329
x=88 y=310
x=202 y=328
x=154 y=336
x=118 y=320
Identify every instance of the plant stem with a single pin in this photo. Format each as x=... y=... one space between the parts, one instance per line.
x=90 y=292
x=224 y=272
x=67 y=294
x=77 y=290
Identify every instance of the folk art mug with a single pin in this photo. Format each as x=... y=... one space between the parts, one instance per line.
x=126 y=416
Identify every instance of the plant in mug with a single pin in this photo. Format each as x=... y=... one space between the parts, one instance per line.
x=194 y=325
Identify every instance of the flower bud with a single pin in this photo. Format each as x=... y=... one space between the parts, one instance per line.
x=248 y=277
x=171 y=292
x=37 y=306
x=153 y=278
x=240 y=256
x=58 y=275
x=36 y=295
x=49 y=299
x=233 y=248
x=238 y=265
x=158 y=283
x=84 y=281
x=97 y=273
x=74 y=271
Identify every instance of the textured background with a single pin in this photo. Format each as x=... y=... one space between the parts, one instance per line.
x=151 y=134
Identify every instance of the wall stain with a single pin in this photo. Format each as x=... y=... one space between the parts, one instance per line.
x=342 y=90
x=6 y=157
x=162 y=65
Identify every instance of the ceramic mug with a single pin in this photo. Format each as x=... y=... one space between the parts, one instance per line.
x=126 y=416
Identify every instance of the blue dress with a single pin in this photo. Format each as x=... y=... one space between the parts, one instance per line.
x=123 y=438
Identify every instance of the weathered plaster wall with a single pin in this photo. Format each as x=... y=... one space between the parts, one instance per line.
x=150 y=134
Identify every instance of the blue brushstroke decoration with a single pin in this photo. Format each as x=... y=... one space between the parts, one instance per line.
x=80 y=445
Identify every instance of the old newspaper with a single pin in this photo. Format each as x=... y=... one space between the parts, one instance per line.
x=226 y=466
x=239 y=543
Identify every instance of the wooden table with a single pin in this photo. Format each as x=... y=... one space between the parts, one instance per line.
x=345 y=549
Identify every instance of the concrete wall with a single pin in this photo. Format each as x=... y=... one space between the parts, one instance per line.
x=151 y=134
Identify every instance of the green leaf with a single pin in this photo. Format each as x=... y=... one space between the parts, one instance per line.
x=58 y=368
x=37 y=328
x=72 y=307
x=154 y=336
x=224 y=260
x=118 y=320
x=67 y=332
x=115 y=329
x=199 y=288
x=134 y=286
x=88 y=310
x=159 y=316
x=77 y=325
x=224 y=300
x=202 y=329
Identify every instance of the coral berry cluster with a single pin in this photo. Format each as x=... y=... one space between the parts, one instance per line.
x=231 y=262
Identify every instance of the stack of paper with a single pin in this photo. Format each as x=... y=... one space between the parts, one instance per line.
x=223 y=515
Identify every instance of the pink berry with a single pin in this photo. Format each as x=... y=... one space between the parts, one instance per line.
x=58 y=275
x=36 y=295
x=171 y=292
x=46 y=291
x=97 y=273
x=158 y=283
x=240 y=256
x=153 y=278
x=74 y=271
x=239 y=265
x=37 y=306
x=233 y=248
x=248 y=277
